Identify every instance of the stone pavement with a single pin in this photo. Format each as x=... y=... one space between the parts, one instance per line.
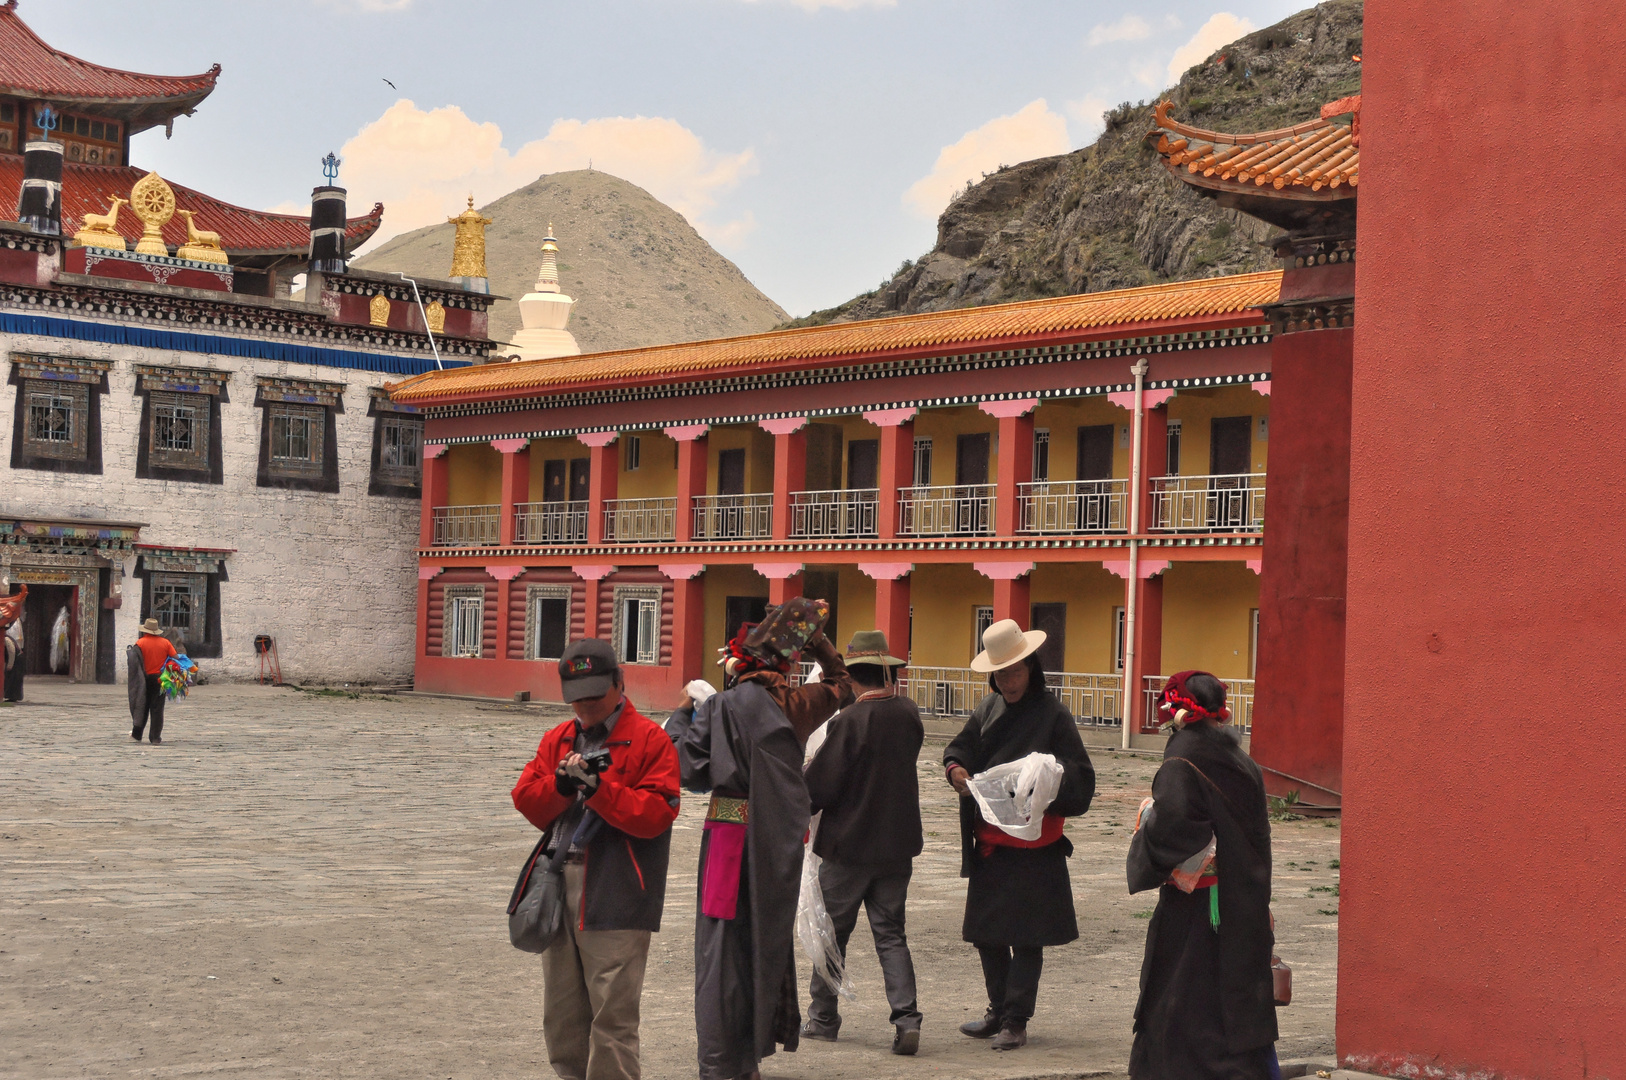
x=308 y=884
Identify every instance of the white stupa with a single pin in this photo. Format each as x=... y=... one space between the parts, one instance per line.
x=545 y=312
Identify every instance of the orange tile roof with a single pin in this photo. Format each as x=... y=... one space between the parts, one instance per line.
x=1313 y=156
x=962 y=328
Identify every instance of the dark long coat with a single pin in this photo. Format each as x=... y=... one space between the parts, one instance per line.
x=1205 y=1010
x=745 y=992
x=1021 y=896
x=865 y=781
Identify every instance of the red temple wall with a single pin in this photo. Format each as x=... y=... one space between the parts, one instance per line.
x=1483 y=927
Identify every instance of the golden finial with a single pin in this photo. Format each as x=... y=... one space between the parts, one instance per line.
x=153 y=201
x=469 y=246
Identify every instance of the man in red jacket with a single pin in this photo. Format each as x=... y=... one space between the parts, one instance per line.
x=616 y=819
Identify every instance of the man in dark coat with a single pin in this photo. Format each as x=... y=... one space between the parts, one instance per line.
x=744 y=746
x=1206 y=1007
x=863 y=780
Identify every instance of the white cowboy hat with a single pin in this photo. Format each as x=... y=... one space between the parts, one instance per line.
x=1003 y=644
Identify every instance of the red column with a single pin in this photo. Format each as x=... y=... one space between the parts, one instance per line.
x=1144 y=653
x=1015 y=461
x=688 y=623
x=784 y=580
x=594 y=577
x=691 y=476
x=789 y=467
x=434 y=487
x=507 y=648
x=516 y=484
x=891 y=603
x=426 y=574
x=603 y=475
x=1012 y=590
x=897 y=465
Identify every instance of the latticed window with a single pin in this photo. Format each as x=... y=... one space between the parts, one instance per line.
x=637 y=619
x=56 y=422
x=50 y=417
x=296 y=437
x=547 y=621
x=464 y=620
x=400 y=450
x=179 y=604
x=923 y=462
x=179 y=430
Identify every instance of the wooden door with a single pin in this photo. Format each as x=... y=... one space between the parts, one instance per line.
x=738 y=610
x=1095 y=452
x=553 y=480
x=825 y=585
x=581 y=473
x=863 y=463
x=971 y=459
x=1230 y=448
x=1052 y=619
x=731 y=472
x=823 y=457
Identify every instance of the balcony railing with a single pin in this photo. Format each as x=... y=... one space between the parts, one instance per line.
x=1073 y=506
x=639 y=521
x=466 y=526
x=815 y=514
x=958 y=510
x=1234 y=503
x=550 y=522
x=1238 y=697
x=953 y=692
x=733 y=517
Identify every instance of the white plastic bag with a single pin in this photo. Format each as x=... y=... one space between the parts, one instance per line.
x=699 y=690
x=59 y=642
x=815 y=930
x=1014 y=796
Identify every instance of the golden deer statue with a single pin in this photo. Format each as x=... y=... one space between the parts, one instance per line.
x=98 y=229
x=201 y=244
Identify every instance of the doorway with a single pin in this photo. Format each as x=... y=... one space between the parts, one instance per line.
x=731 y=472
x=863 y=464
x=1052 y=619
x=1230 y=451
x=971 y=459
x=40 y=611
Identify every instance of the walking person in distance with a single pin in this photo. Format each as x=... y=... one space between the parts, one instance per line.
x=155 y=649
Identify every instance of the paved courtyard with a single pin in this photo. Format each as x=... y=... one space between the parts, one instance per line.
x=308 y=884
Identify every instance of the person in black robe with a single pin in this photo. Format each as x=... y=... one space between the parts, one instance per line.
x=1206 y=1009
x=745 y=746
x=11 y=629
x=1019 y=898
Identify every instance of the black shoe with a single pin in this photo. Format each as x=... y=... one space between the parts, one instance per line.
x=906 y=1041
x=812 y=1029
x=136 y=735
x=155 y=740
x=985 y=1028
x=1013 y=1034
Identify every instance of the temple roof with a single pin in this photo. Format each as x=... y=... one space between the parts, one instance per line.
x=1265 y=173
x=243 y=233
x=995 y=326
x=29 y=68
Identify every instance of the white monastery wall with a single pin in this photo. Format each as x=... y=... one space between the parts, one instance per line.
x=332 y=577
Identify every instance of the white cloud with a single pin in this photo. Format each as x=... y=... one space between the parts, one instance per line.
x=422 y=164
x=839 y=5
x=1221 y=29
x=1128 y=28
x=1032 y=132
x=1086 y=113
x=370 y=6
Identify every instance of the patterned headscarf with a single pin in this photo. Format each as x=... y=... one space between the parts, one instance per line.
x=1179 y=708
x=739 y=661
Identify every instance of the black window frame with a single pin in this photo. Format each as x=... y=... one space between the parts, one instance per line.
x=31 y=378
x=212 y=645
x=206 y=389
x=383 y=478
x=322 y=407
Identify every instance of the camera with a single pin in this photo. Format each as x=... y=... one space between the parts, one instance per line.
x=595 y=762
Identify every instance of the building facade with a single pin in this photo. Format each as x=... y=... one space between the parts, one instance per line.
x=1092 y=465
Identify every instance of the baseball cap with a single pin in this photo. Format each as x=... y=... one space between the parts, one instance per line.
x=587 y=669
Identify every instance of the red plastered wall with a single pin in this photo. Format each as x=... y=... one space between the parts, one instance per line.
x=1483 y=920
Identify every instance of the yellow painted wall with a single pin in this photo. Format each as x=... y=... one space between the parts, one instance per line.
x=944 y=599
x=656 y=474
x=944 y=426
x=1063 y=421
x=1196 y=409
x=721 y=583
x=855 y=604
x=758 y=446
x=473 y=475
x=551 y=450
x=853 y=429
x=1090 y=594
x=1206 y=609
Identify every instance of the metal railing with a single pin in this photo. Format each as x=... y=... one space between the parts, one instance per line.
x=1233 y=503
x=637 y=521
x=1238 y=696
x=1073 y=506
x=733 y=517
x=550 y=522
x=956 y=510
x=851 y=512
x=953 y=692
x=466 y=526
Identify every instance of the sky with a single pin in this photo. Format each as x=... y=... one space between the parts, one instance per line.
x=813 y=142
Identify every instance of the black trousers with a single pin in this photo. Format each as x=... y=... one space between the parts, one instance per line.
x=14 y=676
x=154 y=711
x=884 y=892
x=1011 y=973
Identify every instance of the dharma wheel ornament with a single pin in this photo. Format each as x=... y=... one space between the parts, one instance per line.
x=153 y=201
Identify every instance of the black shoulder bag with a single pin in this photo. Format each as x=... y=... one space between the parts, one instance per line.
x=536 y=910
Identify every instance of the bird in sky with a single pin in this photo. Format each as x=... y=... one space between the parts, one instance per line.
x=392 y=85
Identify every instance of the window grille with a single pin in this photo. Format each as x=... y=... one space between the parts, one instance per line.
x=179 y=604
x=50 y=417
x=923 y=462
x=402 y=444
x=296 y=437
x=464 y=620
x=634 y=452
x=56 y=423
x=984 y=618
x=1174 y=449
x=1041 y=455
x=179 y=430
x=1118 y=640
x=637 y=624
x=547 y=621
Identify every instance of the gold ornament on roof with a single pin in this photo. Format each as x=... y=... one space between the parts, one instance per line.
x=153 y=201
x=469 y=247
x=437 y=317
x=378 y=312
x=98 y=230
x=201 y=245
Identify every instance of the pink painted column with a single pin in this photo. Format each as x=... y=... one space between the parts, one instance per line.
x=897 y=464
x=784 y=580
x=1154 y=447
x=1015 y=459
x=1012 y=590
x=433 y=490
x=594 y=576
x=506 y=648
x=789 y=467
x=688 y=622
x=691 y=475
x=426 y=574
x=892 y=603
x=1144 y=655
x=516 y=485
x=603 y=475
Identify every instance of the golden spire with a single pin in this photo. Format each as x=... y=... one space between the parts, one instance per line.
x=469 y=247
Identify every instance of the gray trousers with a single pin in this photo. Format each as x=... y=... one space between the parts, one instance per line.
x=593 y=985
x=884 y=892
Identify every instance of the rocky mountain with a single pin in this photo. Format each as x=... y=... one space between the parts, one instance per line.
x=639 y=272
x=1109 y=216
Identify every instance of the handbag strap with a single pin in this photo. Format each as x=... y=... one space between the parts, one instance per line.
x=1235 y=810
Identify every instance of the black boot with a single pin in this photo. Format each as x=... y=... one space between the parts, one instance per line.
x=1012 y=1035
x=984 y=1028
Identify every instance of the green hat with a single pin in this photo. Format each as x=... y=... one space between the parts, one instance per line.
x=869 y=647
